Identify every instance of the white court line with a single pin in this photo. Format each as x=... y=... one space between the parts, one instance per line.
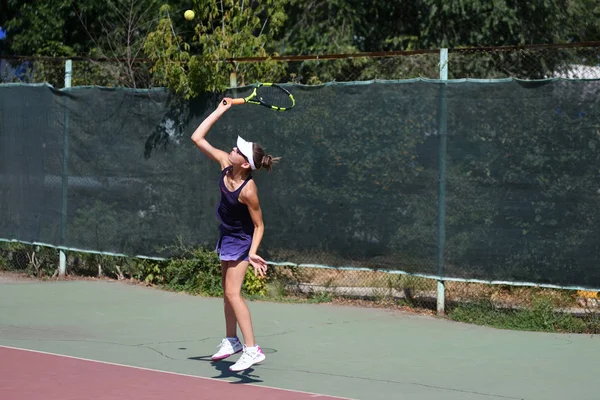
x=315 y=395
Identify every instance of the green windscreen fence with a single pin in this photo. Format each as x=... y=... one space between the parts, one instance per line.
x=359 y=182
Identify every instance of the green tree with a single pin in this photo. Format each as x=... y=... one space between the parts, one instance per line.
x=118 y=30
x=113 y=31
x=350 y=26
x=35 y=28
x=224 y=29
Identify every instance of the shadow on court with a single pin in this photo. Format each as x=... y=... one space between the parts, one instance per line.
x=247 y=376
x=339 y=351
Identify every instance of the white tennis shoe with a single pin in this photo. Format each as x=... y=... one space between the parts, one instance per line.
x=227 y=348
x=250 y=356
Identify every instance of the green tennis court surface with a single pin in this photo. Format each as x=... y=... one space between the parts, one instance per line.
x=330 y=350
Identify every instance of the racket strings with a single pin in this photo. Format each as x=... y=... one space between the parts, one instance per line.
x=274 y=96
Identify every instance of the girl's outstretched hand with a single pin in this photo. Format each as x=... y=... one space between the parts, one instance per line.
x=259 y=264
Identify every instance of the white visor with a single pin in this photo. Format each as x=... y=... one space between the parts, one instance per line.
x=246 y=149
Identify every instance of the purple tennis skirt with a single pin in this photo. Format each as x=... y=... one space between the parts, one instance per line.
x=233 y=246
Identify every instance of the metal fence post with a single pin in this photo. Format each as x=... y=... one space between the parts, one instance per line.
x=441 y=301
x=62 y=265
x=68 y=73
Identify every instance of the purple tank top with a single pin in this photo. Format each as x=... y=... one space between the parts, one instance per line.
x=233 y=215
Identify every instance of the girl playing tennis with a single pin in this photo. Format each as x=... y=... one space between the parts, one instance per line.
x=241 y=230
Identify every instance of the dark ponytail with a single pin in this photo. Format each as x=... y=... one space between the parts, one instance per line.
x=263 y=160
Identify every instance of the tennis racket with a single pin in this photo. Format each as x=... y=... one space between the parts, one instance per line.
x=269 y=95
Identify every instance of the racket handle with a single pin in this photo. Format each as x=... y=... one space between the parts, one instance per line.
x=237 y=101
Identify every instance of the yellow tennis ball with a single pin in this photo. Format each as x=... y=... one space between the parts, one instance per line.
x=189 y=15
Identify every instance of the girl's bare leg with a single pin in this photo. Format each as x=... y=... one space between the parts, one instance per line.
x=234 y=302
x=230 y=319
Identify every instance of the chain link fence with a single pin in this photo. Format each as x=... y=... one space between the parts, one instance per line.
x=540 y=307
x=489 y=63
x=41 y=261
x=85 y=71
x=572 y=61
x=535 y=62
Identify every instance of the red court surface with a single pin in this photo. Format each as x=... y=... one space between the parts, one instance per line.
x=27 y=375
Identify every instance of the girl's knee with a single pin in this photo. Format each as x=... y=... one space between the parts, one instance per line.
x=232 y=295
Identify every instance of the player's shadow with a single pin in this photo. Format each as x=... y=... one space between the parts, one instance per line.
x=222 y=366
